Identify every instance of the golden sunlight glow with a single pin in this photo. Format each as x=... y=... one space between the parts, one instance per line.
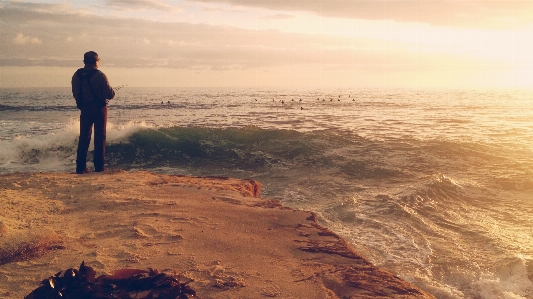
x=219 y=44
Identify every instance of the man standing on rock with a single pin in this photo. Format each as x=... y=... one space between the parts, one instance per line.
x=91 y=90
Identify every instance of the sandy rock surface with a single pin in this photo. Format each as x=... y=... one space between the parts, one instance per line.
x=214 y=232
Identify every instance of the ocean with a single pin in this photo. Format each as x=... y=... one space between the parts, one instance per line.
x=434 y=185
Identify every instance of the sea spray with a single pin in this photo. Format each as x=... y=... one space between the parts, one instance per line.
x=55 y=151
x=50 y=152
x=121 y=132
x=510 y=281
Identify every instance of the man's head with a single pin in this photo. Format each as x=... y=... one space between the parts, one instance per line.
x=90 y=58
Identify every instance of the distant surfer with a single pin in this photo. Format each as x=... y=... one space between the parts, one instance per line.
x=92 y=91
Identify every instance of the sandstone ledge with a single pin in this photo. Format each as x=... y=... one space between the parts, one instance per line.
x=215 y=232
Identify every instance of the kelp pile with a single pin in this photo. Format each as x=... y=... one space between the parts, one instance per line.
x=123 y=284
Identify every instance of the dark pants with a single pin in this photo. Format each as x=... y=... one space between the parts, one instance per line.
x=97 y=116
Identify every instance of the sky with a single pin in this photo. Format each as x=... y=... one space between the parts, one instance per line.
x=271 y=43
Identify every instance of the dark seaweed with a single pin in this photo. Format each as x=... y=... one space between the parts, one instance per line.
x=81 y=284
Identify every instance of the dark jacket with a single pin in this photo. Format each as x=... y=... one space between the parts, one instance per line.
x=100 y=87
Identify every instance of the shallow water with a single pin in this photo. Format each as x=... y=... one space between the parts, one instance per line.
x=434 y=185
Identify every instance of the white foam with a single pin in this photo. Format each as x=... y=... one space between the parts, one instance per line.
x=509 y=281
x=55 y=151
x=437 y=289
x=121 y=133
x=39 y=152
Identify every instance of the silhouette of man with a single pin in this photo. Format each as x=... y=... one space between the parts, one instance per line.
x=91 y=90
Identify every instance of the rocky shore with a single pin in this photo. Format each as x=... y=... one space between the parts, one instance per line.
x=215 y=233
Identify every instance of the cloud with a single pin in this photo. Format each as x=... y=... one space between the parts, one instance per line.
x=449 y=13
x=142 y=5
x=122 y=43
x=188 y=48
x=280 y=16
x=43 y=8
x=21 y=39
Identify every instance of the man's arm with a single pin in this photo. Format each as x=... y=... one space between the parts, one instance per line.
x=107 y=90
x=76 y=90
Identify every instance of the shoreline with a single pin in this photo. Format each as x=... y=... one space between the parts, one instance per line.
x=215 y=232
